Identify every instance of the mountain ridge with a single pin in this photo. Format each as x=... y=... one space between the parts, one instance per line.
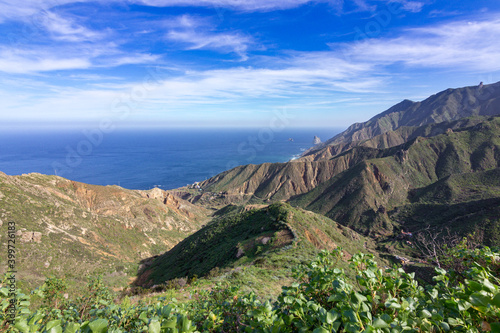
x=447 y=105
x=455 y=133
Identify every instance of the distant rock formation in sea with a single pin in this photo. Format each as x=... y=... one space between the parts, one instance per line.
x=316 y=140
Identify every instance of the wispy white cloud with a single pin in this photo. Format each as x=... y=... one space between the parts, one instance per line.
x=34 y=10
x=61 y=28
x=290 y=78
x=364 y=6
x=122 y=58
x=18 y=61
x=270 y=5
x=410 y=5
x=244 y=5
x=198 y=33
x=464 y=45
x=220 y=42
x=444 y=13
x=302 y=76
x=45 y=59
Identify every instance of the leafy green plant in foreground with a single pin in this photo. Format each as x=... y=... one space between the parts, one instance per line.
x=323 y=299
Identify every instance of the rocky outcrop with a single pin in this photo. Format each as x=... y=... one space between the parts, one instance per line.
x=316 y=140
x=29 y=236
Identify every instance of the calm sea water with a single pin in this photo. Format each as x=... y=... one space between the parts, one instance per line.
x=133 y=159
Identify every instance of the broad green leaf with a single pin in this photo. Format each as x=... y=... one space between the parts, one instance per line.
x=71 y=328
x=478 y=299
x=440 y=271
x=455 y=322
x=144 y=317
x=463 y=305
x=56 y=329
x=165 y=311
x=437 y=317
x=186 y=324
x=405 y=304
x=474 y=285
x=4 y=292
x=349 y=313
x=425 y=314
x=52 y=323
x=331 y=317
x=379 y=323
x=392 y=304
x=35 y=318
x=170 y=323
x=359 y=298
x=490 y=286
x=320 y=330
x=22 y=326
x=154 y=327
x=99 y=326
x=335 y=298
x=444 y=325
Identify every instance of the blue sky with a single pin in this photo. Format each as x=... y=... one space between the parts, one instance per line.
x=211 y=63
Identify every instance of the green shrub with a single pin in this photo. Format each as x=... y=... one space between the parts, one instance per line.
x=323 y=299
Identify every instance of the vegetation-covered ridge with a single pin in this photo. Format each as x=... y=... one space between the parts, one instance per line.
x=367 y=196
x=239 y=237
x=464 y=297
x=394 y=138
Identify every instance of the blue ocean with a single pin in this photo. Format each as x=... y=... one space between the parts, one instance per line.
x=143 y=159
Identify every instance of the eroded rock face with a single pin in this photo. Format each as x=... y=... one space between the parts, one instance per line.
x=156 y=193
x=265 y=240
x=29 y=236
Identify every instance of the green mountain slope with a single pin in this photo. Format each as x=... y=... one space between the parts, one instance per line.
x=241 y=238
x=74 y=229
x=441 y=166
x=467 y=202
x=394 y=138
